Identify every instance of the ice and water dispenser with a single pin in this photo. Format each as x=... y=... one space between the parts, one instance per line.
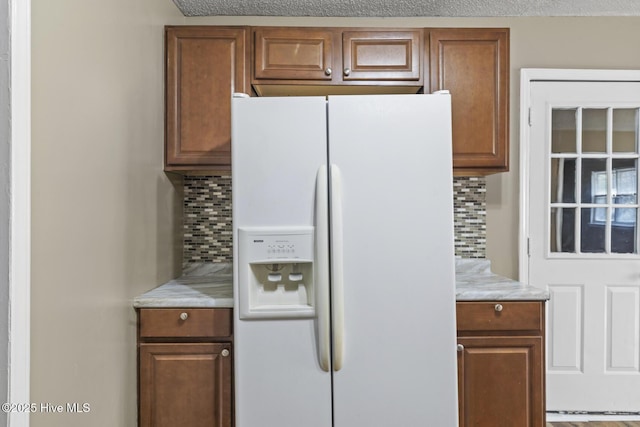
x=275 y=273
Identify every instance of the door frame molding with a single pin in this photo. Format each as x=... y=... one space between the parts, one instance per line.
x=528 y=76
x=20 y=211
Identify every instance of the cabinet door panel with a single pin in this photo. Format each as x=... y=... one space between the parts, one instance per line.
x=500 y=378
x=205 y=66
x=473 y=64
x=382 y=55
x=293 y=54
x=185 y=384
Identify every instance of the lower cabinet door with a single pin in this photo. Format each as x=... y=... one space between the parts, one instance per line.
x=501 y=382
x=185 y=384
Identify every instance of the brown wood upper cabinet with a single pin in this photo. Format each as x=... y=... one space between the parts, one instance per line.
x=336 y=57
x=205 y=66
x=473 y=64
x=293 y=54
x=393 y=55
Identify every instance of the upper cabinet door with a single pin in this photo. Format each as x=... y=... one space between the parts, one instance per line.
x=473 y=64
x=382 y=55
x=293 y=54
x=204 y=67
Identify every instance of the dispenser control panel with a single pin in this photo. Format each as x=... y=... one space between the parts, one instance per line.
x=275 y=273
x=279 y=244
x=285 y=249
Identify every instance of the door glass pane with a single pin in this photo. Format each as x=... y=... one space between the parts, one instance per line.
x=563 y=131
x=563 y=180
x=624 y=181
x=623 y=219
x=625 y=130
x=594 y=130
x=624 y=231
x=592 y=233
x=594 y=181
x=561 y=235
x=599 y=215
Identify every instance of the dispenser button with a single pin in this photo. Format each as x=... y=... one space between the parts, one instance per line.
x=295 y=277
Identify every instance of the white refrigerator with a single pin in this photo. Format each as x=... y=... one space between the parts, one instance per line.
x=344 y=278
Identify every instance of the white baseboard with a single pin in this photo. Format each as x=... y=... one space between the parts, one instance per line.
x=583 y=417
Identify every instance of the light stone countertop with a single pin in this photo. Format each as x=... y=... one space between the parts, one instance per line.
x=211 y=285
x=476 y=282
x=201 y=285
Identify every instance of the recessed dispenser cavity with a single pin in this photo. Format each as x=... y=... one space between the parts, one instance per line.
x=275 y=273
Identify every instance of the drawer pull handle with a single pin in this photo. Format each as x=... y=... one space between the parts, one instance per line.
x=460 y=347
x=328 y=71
x=224 y=353
x=184 y=316
x=498 y=307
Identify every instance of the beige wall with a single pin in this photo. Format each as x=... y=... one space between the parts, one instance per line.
x=104 y=214
x=103 y=211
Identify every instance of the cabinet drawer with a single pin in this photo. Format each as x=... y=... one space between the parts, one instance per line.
x=185 y=322
x=499 y=316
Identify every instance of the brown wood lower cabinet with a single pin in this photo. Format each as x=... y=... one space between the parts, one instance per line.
x=185 y=365
x=185 y=374
x=501 y=364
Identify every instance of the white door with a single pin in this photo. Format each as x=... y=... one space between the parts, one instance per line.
x=583 y=231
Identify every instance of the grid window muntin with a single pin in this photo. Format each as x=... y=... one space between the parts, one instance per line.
x=570 y=150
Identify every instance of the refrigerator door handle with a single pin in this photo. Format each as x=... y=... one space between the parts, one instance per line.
x=322 y=268
x=337 y=275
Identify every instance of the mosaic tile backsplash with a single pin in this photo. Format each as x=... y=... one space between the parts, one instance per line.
x=470 y=216
x=208 y=232
x=207 y=219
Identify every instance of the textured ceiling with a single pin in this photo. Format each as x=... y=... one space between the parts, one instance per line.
x=402 y=8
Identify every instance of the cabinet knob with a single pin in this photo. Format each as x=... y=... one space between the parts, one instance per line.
x=328 y=71
x=184 y=316
x=460 y=347
x=224 y=353
x=347 y=71
x=498 y=307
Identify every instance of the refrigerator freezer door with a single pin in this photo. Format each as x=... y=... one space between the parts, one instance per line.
x=278 y=147
x=399 y=359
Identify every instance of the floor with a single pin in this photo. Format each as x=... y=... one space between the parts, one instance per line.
x=596 y=424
